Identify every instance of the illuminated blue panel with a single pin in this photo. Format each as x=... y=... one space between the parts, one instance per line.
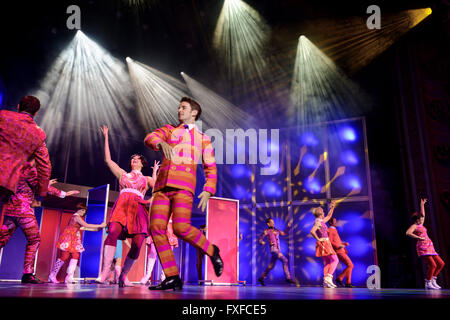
x=312 y=185
x=348 y=134
x=93 y=240
x=309 y=139
x=310 y=161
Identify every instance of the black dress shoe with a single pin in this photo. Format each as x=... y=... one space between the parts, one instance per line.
x=349 y=285
x=173 y=282
x=339 y=283
x=261 y=280
x=217 y=261
x=30 y=278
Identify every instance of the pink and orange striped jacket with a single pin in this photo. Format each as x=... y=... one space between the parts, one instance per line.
x=190 y=147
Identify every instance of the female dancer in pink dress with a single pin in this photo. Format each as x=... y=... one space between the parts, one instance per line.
x=324 y=248
x=69 y=243
x=129 y=218
x=425 y=248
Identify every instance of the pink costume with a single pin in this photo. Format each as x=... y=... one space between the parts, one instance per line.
x=19 y=213
x=325 y=249
x=21 y=138
x=424 y=247
x=70 y=238
x=128 y=209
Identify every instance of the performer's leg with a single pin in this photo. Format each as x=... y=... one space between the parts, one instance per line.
x=431 y=266
x=131 y=258
x=150 y=263
x=7 y=230
x=71 y=268
x=30 y=228
x=347 y=272
x=273 y=261
x=56 y=267
x=439 y=265
x=200 y=256
x=326 y=265
x=109 y=250
x=159 y=216
x=284 y=260
x=182 y=209
x=333 y=263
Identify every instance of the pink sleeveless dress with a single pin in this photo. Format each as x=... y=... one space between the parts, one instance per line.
x=128 y=210
x=323 y=248
x=70 y=238
x=424 y=247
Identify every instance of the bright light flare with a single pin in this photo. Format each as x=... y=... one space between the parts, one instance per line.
x=85 y=88
x=319 y=90
x=240 y=39
x=158 y=95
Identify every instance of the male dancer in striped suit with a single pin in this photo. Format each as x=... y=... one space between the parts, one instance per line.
x=183 y=147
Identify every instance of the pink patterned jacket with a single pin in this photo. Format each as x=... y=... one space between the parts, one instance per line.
x=19 y=204
x=21 y=138
x=190 y=147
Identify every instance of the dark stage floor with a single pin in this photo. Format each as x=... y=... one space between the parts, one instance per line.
x=193 y=292
x=229 y=302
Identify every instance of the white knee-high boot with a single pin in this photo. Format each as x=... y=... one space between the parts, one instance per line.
x=108 y=257
x=56 y=267
x=148 y=272
x=71 y=270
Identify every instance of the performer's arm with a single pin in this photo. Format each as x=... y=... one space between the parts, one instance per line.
x=261 y=237
x=422 y=207
x=288 y=228
x=157 y=141
x=410 y=232
x=114 y=167
x=330 y=213
x=210 y=168
x=152 y=180
x=44 y=169
x=59 y=193
x=88 y=226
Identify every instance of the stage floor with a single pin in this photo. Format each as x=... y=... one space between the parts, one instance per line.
x=194 y=292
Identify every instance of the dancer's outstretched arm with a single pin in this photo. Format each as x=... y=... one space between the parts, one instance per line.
x=89 y=227
x=422 y=207
x=330 y=213
x=152 y=180
x=114 y=167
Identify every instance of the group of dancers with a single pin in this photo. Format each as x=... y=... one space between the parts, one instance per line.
x=160 y=220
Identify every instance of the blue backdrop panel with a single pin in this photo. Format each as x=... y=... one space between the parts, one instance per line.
x=93 y=240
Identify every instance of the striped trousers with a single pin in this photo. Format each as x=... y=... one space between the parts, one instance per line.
x=179 y=204
x=30 y=228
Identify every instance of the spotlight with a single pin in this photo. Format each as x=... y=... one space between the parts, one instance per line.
x=238 y=171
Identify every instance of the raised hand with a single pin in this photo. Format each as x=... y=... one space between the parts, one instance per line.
x=72 y=192
x=104 y=130
x=423 y=201
x=52 y=181
x=156 y=165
